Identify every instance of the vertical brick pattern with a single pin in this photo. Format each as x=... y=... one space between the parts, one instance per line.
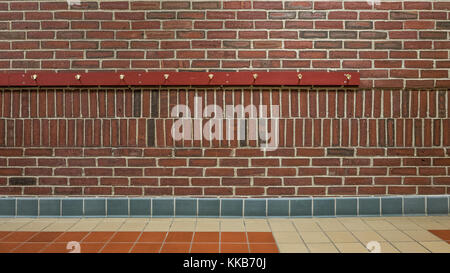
x=117 y=142
x=394 y=44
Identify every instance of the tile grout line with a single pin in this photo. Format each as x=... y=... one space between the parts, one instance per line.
x=192 y=238
x=220 y=237
x=332 y=242
x=93 y=230
x=246 y=235
x=62 y=233
x=165 y=237
x=136 y=241
x=348 y=230
x=36 y=233
x=301 y=238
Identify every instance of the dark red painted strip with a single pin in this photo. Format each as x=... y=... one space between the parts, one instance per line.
x=180 y=78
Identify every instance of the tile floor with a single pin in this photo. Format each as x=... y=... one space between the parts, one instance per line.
x=292 y=235
x=138 y=242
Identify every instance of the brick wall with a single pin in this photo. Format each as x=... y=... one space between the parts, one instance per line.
x=119 y=142
x=389 y=136
x=393 y=44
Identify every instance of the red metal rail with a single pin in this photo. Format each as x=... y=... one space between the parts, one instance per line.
x=180 y=78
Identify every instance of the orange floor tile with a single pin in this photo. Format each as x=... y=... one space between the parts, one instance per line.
x=206 y=237
x=152 y=237
x=234 y=248
x=18 y=237
x=146 y=248
x=138 y=242
x=98 y=237
x=55 y=248
x=45 y=237
x=260 y=237
x=233 y=237
x=71 y=236
x=179 y=237
x=443 y=234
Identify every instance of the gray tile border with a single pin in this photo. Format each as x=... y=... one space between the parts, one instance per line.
x=391 y=206
x=72 y=207
x=300 y=207
x=186 y=207
x=231 y=207
x=95 y=207
x=414 y=205
x=324 y=207
x=208 y=207
x=27 y=207
x=369 y=206
x=163 y=207
x=346 y=206
x=7 y=207
x=140 y=207
x=255 y=207
x=225 y=207
x=278 y=207
x=437 y=205
x=117 y=207
x=49 y=207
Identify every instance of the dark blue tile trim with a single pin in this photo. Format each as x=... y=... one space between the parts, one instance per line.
x=231 y=207
x=186 y=207
x=437 y=205
x=140 y=207
x=346 y=206
x=209 y=207
x=369 y=206
x=255 y=207
x=300 y=207
x=414 y=206
x=49 y=207
x=225 y=207
x=95 y=207
x=27 y=207
x=117 y=207
x=7 y=207
x=72 y=207
x=392 y=206
x=163 y=207
x=278 y=207
x=324 y=207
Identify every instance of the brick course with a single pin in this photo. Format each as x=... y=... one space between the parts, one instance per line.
x=236 y=35
x=117 y=141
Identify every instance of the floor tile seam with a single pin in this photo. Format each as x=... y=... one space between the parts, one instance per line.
x=73 y=224
x=164 y=241
x=46 y=245
x=43 y=227
x=107 y=241
x=360 y=241
x=271 y=233
x=410 y=237
x=420 y=243
x=389 y=242
x=301 y=238
x=135 y=241
x=329 y=239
